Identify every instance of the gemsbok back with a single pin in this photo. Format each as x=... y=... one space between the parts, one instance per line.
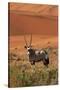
x=36 y=55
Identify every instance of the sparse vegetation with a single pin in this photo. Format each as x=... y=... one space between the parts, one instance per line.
x=22 y=73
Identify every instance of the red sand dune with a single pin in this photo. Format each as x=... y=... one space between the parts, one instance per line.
x=36 y=19
x=29 y=24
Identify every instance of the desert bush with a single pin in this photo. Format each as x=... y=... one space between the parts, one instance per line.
x=33 y=77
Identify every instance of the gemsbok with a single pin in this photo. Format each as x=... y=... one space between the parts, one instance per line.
x=36 y=55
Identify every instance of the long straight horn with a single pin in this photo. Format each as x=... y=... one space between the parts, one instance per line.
x=25 y=40
x=31 y=40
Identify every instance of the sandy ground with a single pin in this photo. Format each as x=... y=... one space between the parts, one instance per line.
x=38 y=41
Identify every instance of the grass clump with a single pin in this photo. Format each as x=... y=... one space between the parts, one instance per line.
x=33 y=77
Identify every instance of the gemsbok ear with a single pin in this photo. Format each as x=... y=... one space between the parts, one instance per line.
x=25 y=46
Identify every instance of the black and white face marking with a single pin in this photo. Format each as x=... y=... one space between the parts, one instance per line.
x=28 y=50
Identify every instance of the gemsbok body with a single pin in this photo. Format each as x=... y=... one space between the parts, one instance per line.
x=36 y=55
